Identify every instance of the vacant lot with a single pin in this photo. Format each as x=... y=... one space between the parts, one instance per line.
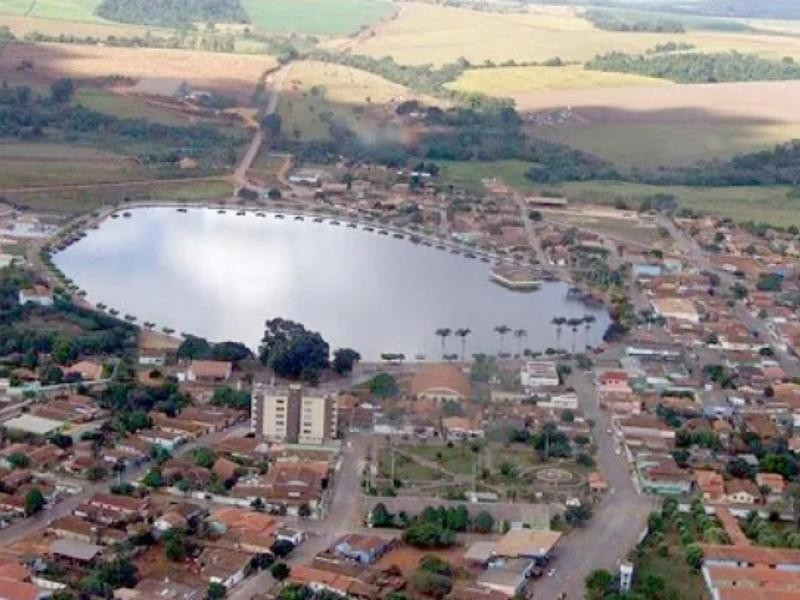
x=318 y=17
x=427 y=33
x=234 y=75
x=514 y=81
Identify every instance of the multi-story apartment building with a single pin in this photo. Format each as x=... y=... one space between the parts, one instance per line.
x=293 y=415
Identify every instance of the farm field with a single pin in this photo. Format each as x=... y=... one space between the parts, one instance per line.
x=669 y=144
x=763 y=101
x=513 y=81
x=317 y=92
x=425 y=33
x=228 y=74
x=317 y=17
x=651 y=126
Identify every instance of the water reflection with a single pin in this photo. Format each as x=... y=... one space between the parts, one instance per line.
x=222 y=275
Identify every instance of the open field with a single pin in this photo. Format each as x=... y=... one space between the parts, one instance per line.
x=316 y=92
x=80 y=201
x=68 y=10
x=771 y=204
x=651 y=126
x=318 y=17
x=41 y=164
x=128 y=107
x=775 y=101
x=229 y=74
x=426 y=33
x=674 y=144
x=513 y=81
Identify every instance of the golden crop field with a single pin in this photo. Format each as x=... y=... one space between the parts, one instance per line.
x=513 y=81
x=426 y=33
x=230 y=74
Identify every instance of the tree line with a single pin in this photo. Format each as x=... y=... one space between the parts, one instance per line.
x=697 y=67
x=633 y=22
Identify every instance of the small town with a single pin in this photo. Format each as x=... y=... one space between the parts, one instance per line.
x=659 y=457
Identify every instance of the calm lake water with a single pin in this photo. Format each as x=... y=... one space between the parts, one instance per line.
x=221 y=276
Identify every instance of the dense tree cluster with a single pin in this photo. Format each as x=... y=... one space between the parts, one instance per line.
x=698 y=67
x=197 y=348
x=92 y=333
x=634 y=21
x=292 y=351
x=172 y=13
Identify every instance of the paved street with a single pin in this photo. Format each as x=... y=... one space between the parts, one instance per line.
x=618 y=520
x=344 y=512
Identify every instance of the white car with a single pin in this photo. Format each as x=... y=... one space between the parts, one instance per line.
x=551 y=572
x=617 y=451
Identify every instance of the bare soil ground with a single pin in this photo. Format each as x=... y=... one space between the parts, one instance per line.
x=407 y=558
x=229 y=74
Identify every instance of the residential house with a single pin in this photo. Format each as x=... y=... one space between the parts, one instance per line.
x=742 y=491
x=366 y=549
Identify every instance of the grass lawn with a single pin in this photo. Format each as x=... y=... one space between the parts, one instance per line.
x=127 y=107
x=510 y=81
x=459 y=460
x=650 y=145
x=318 y=17
x=405 y=469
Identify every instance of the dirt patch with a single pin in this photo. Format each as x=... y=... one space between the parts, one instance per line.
x=407 y=558
x=228 y=74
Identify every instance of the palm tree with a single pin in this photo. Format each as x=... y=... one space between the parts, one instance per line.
x=588 y=321
x=463 y=333
x=444 y=333
x=559 y=323
x=574 y=323
x=519 y=334
x=502 y=330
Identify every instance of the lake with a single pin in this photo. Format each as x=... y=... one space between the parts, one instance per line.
x=221 y=276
